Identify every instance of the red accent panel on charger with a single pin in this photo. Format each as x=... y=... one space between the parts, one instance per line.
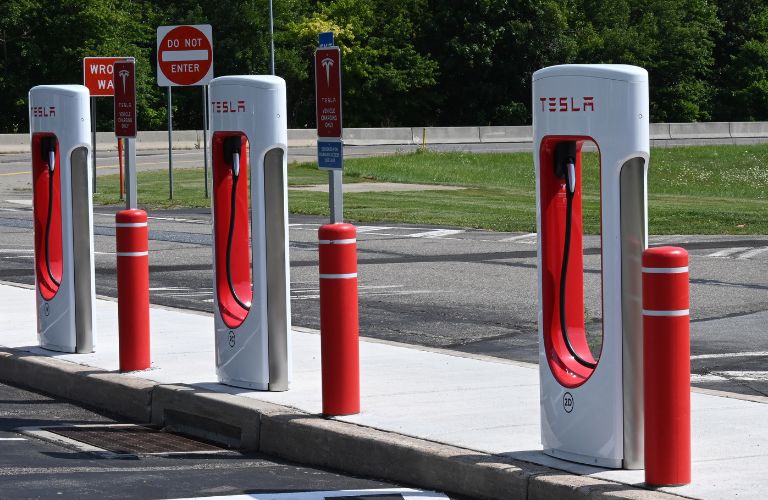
x=564 y=367
x=232 y=313
x=40 y=179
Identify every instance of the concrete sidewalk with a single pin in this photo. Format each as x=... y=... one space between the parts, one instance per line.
x=460 y=423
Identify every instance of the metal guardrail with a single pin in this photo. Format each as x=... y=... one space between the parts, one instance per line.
x=661 y=134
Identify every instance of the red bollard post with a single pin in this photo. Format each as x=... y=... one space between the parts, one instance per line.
x=666 y=367
x=133 y=289
x=340 y=356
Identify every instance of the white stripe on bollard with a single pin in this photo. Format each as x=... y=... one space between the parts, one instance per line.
x=338 y=276
x=132 y=254
x=665 y=270
x=338 y=242
x=130 y=224
x=672 y=313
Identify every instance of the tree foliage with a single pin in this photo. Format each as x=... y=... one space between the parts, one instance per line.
x=405 y=63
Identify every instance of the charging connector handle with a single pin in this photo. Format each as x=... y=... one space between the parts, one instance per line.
x=48 y=146
x=565 y=165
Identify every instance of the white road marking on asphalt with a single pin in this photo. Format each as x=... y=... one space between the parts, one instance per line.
x=17 y=250
x=727 y=252
x=436 y=233
x=731 y=355
x=753 y=253
x=405 y=493
x=721 y=376
x=520 y=237
x=25 y=202
x=13 y=439
x=368 y=229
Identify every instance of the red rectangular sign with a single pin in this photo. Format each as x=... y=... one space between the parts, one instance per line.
x=97 y=75
x=124 y=85
x=328 y=92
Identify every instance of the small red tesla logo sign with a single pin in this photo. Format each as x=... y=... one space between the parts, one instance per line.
x=43 y=111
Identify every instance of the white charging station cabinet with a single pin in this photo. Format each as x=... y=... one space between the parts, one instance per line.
x=591 y=411
x=250 y=251
x=60 y=135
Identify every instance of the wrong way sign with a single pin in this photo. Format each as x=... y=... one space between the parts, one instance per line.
x=98 y=75
x=184 y=55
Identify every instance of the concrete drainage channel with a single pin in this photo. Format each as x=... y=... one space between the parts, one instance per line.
x=279 y=431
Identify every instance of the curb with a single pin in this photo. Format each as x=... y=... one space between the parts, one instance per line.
x=280 y=431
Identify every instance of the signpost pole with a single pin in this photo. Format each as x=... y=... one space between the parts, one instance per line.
x=205 y=136
x=93 y=138
x=336 y=197
x=131 y=196
x=272 y=36
x=170 y=145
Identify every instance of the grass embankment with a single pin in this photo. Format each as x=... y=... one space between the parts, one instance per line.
x=692 y=190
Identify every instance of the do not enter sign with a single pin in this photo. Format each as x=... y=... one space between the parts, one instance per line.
x=184 y=55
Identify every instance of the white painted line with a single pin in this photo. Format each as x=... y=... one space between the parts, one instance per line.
x=338 y=276
x=13 y=439
x=132 y=254
x=728 y=251
x=435 y=233
x=130 y=224
x=405 y=493
x=721 y=376
x=665 y=314
x=185 y=55
x=665 y=270
x=753 y=253
x=369 y=229
x=17 y=250
x=756 y=354
x=520 y=237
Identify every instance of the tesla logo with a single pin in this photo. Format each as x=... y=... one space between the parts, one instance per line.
x=567 y=104
x=228 y=106
x=568 y=402
x=43 y=111
x=123 y=75
x=327 y=64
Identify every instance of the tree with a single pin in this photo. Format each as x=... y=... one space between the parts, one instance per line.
x=741 y=55
x=487 y=51
x=672 y=39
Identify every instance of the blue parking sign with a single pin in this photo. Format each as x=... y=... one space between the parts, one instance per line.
x=330 y=154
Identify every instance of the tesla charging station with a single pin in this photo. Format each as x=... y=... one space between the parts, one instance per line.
x=250 y=251
x=60 y=128
x=591 y=407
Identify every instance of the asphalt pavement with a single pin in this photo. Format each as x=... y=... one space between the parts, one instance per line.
x=37 y=463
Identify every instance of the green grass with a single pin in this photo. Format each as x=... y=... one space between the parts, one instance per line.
x=692 y=190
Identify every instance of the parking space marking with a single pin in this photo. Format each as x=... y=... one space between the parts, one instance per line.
x=727 y=252
x=747 y=354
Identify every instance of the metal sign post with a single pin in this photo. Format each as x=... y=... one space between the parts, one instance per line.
x=330 y=144
x=184 y=58
x=125 y=123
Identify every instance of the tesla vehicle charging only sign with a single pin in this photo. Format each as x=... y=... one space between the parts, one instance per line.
x=125 y=98
x=328 y=92
x=184 y=55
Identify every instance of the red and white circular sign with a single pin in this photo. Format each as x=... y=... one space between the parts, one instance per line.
x=184 y=55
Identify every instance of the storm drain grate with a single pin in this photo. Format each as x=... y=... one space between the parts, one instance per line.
x=132 y=439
